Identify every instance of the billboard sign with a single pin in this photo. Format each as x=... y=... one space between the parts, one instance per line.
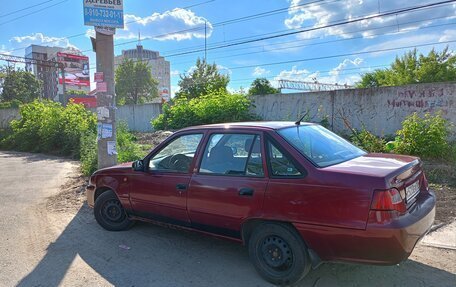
x=104 y=13
x=76 y=69
x=164 y=94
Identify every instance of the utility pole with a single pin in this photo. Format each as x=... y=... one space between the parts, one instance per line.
x=107 y=155
x=106 y=16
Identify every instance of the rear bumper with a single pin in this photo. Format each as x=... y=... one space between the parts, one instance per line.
x=90 y=193
x=384 y=242
x=400 y=236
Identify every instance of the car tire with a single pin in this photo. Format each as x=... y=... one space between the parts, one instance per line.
x=110 y=213
x=278 y=253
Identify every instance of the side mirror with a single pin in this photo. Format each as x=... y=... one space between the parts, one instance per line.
x=138 y=165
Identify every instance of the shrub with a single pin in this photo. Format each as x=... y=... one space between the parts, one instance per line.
x=368 y=141
x=48 y=127
x=423 y=136
x=88 y=152
x=10 y=104
x=127 y=148
x=216 y=107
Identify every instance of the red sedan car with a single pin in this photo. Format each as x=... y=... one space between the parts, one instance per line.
x=295 y=193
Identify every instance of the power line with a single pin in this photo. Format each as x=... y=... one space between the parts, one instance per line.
x=226 y=22
x=83 y=34
x=319 y=43
x=318 y=28
x=314 y=38
x=340 y=55
x=34 y=12
x=287 y=30
x=26 y=8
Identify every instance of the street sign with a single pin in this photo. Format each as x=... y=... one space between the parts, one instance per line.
x=105 y=13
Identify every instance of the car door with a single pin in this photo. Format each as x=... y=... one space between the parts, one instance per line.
x=160 y=191
x=230 y=183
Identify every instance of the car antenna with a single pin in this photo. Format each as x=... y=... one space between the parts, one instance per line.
x=298 y=122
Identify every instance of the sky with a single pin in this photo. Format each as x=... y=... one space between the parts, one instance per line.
x=329 y=41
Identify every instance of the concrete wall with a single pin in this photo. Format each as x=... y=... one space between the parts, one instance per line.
x=380 y=110
x=136 y=116
x=6 y=116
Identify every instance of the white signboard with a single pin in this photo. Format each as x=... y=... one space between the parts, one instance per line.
x=105 y=13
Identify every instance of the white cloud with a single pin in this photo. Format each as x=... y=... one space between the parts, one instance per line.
x=334 y=76
x=448 y=35
x=258 y=71
x=40 y=39
x=294 y=74
x=347 y=62
x=159 y=26
x=175 y=73
x=224 y=70
x=322 y=14
x=3 y=50
x=174 y=90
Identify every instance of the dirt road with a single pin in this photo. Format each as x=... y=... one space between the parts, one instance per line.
x=55 y=244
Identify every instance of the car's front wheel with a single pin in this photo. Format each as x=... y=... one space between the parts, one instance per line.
x=109 y=212
x=278 y=253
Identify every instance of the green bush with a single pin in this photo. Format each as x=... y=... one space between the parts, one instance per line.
x=426 y=136
x=216 y=107
x=88 y=152
x=368 y=141
x=127 y=148
x=10 y=104
x=48 y=127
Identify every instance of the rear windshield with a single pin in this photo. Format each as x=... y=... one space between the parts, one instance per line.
x=321 y=146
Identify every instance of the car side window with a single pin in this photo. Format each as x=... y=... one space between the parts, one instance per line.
x=177 y=155
x=233 y=154
x=280 y=164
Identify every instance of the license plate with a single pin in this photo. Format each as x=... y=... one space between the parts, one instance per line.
x=412 y=189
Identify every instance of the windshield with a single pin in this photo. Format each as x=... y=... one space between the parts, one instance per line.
x=321 y=146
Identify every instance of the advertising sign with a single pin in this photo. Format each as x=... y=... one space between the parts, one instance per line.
x=164 y=94
x=88 y=102
x=102 y=87
x=105 y=13
x=76 y=69
x=99 y=77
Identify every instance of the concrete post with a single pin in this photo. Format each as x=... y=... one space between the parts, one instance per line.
x=107 y=155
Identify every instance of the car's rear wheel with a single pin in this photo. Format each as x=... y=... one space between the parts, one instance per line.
x=278 y=253
x=109 y=212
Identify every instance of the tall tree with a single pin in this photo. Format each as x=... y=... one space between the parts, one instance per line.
x=412 y=68
x=261 y=86
x=204 y=79
x=19 y=85
x=134 y=83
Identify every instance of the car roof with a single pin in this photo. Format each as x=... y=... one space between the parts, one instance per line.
x=265 y=125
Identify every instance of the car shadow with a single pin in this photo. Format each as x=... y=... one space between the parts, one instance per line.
x=149 y=255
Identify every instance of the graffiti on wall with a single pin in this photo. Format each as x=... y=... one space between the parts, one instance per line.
x=423 y=100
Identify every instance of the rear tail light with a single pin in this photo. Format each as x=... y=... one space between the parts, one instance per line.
x=388 y=200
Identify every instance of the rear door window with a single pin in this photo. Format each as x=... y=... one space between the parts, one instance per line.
x=233 y=154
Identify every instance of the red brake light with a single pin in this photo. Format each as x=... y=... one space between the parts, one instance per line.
x=388 y=200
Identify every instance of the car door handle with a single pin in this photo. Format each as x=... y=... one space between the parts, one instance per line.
x=181 y=186
x=246 y=191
